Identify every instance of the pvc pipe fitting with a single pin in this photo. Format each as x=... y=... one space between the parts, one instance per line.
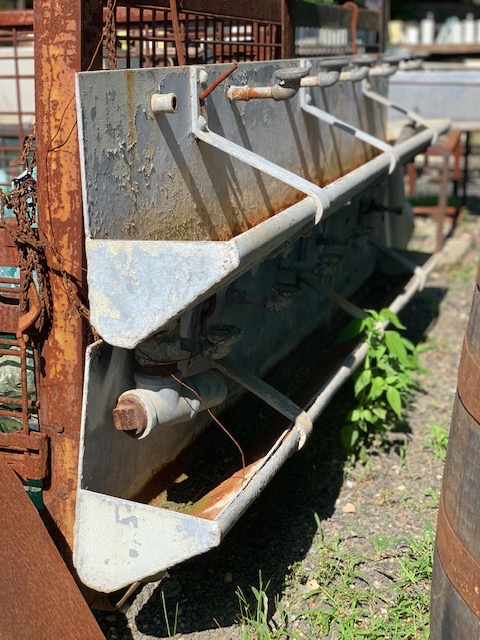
x=163 y=103
x=162 y=402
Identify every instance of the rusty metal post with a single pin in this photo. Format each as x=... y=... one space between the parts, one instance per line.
x=66 y=36
x=288 y=33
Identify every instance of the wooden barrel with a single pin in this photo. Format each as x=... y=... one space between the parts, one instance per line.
x=455 y=593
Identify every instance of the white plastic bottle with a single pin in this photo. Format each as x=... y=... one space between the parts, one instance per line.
x=427 y=29
x=469 y=29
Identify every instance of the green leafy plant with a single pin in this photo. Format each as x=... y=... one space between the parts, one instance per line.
x=384 y=386
x=438 y=441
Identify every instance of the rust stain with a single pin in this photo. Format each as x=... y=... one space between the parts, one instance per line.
x=213 y=502
x=131 y=106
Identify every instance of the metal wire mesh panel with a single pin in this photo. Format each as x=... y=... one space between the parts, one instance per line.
x=17 y=110
x=152 y=36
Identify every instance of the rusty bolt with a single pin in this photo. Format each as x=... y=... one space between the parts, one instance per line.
x=129 y=415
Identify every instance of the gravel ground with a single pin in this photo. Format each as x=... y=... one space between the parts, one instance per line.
x=394 y=495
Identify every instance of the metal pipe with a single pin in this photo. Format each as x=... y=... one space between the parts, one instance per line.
x=359 y=68
x=286 y=86
x=328 y=75
x=273 y=232
x=349 y=186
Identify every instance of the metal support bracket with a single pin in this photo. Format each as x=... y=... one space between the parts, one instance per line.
x=377 y=97
x=340 y=301
x=201 y=131
x=269 y=395
x=305 y=104
x=406 y=262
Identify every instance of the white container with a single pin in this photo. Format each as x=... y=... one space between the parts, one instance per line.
x=412 y=34
x=457 y=33
x=427 y=29
x=469 y=29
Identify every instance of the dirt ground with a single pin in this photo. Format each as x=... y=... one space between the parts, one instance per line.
x=394 y=495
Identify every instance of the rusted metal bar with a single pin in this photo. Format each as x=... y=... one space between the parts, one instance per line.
x=16 y=18
x=66 y=35
x=179 y=42
x=26 y=454
x=354 y=24
x=10 y=400
x=267 y=10
x=288 y=35
x=218 y=80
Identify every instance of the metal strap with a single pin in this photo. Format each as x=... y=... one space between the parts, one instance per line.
x=468 y=381
x=461 y=568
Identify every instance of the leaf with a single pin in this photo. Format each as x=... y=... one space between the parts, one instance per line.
x=353 y=329
x=354 y=416
x=375 y=315
x=409 y=345
x=362 y=381
x=377 y=388
x=395 y=401
x=368 y=416
x=395 y=346
x=387 y=314
x=380 y=352
x=362 y=454
x=349 y=436
x=380 y=413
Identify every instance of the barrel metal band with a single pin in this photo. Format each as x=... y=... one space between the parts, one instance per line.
x=469 y=382
x=459 y=565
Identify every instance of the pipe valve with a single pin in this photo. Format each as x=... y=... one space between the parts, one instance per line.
x=286 y=86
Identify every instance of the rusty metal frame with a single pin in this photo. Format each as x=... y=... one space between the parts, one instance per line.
x=196 y=32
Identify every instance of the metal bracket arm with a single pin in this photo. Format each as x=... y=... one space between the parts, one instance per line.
x=269 y=395
x=201 y=131
x=340 y=301
x=377 y=97
x=416 y=269
x=305 y=100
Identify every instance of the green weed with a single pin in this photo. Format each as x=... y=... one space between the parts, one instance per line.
x=383 y=387
x=343 y=599
x=171 y=630
x=438 y=441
